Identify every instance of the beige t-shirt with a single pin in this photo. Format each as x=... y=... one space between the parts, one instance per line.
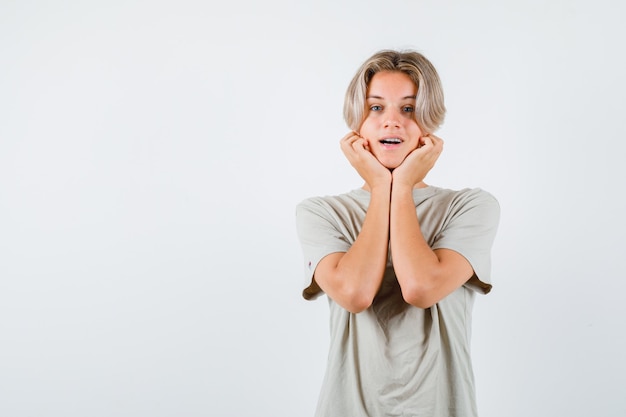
x=394 y=359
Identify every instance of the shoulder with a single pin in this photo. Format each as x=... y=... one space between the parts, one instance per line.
x=332 y=203
x=477 y=197
x=467 y=198
x=465 y=206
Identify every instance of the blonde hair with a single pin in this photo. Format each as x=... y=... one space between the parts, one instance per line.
x=429 y=107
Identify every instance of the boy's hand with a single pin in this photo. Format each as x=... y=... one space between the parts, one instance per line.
x=356 y=149
x=419 y=162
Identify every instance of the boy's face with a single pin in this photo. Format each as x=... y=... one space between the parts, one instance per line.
x=389 y=122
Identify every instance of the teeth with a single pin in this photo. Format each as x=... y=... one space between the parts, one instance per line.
x=391 y=141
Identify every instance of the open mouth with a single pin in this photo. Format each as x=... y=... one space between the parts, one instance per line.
x=391 y=141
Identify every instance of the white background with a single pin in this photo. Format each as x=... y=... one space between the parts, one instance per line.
x=152 y=154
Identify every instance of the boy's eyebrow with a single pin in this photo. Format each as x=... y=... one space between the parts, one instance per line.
x=403 y=98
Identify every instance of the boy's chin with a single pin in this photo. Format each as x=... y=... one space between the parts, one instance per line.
x=390 y=165
x=390 y=162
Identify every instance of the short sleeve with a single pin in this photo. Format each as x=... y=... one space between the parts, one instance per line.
x=320 y=234
x=469 y=229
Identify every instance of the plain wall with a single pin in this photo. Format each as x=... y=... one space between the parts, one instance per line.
x=152 y=154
